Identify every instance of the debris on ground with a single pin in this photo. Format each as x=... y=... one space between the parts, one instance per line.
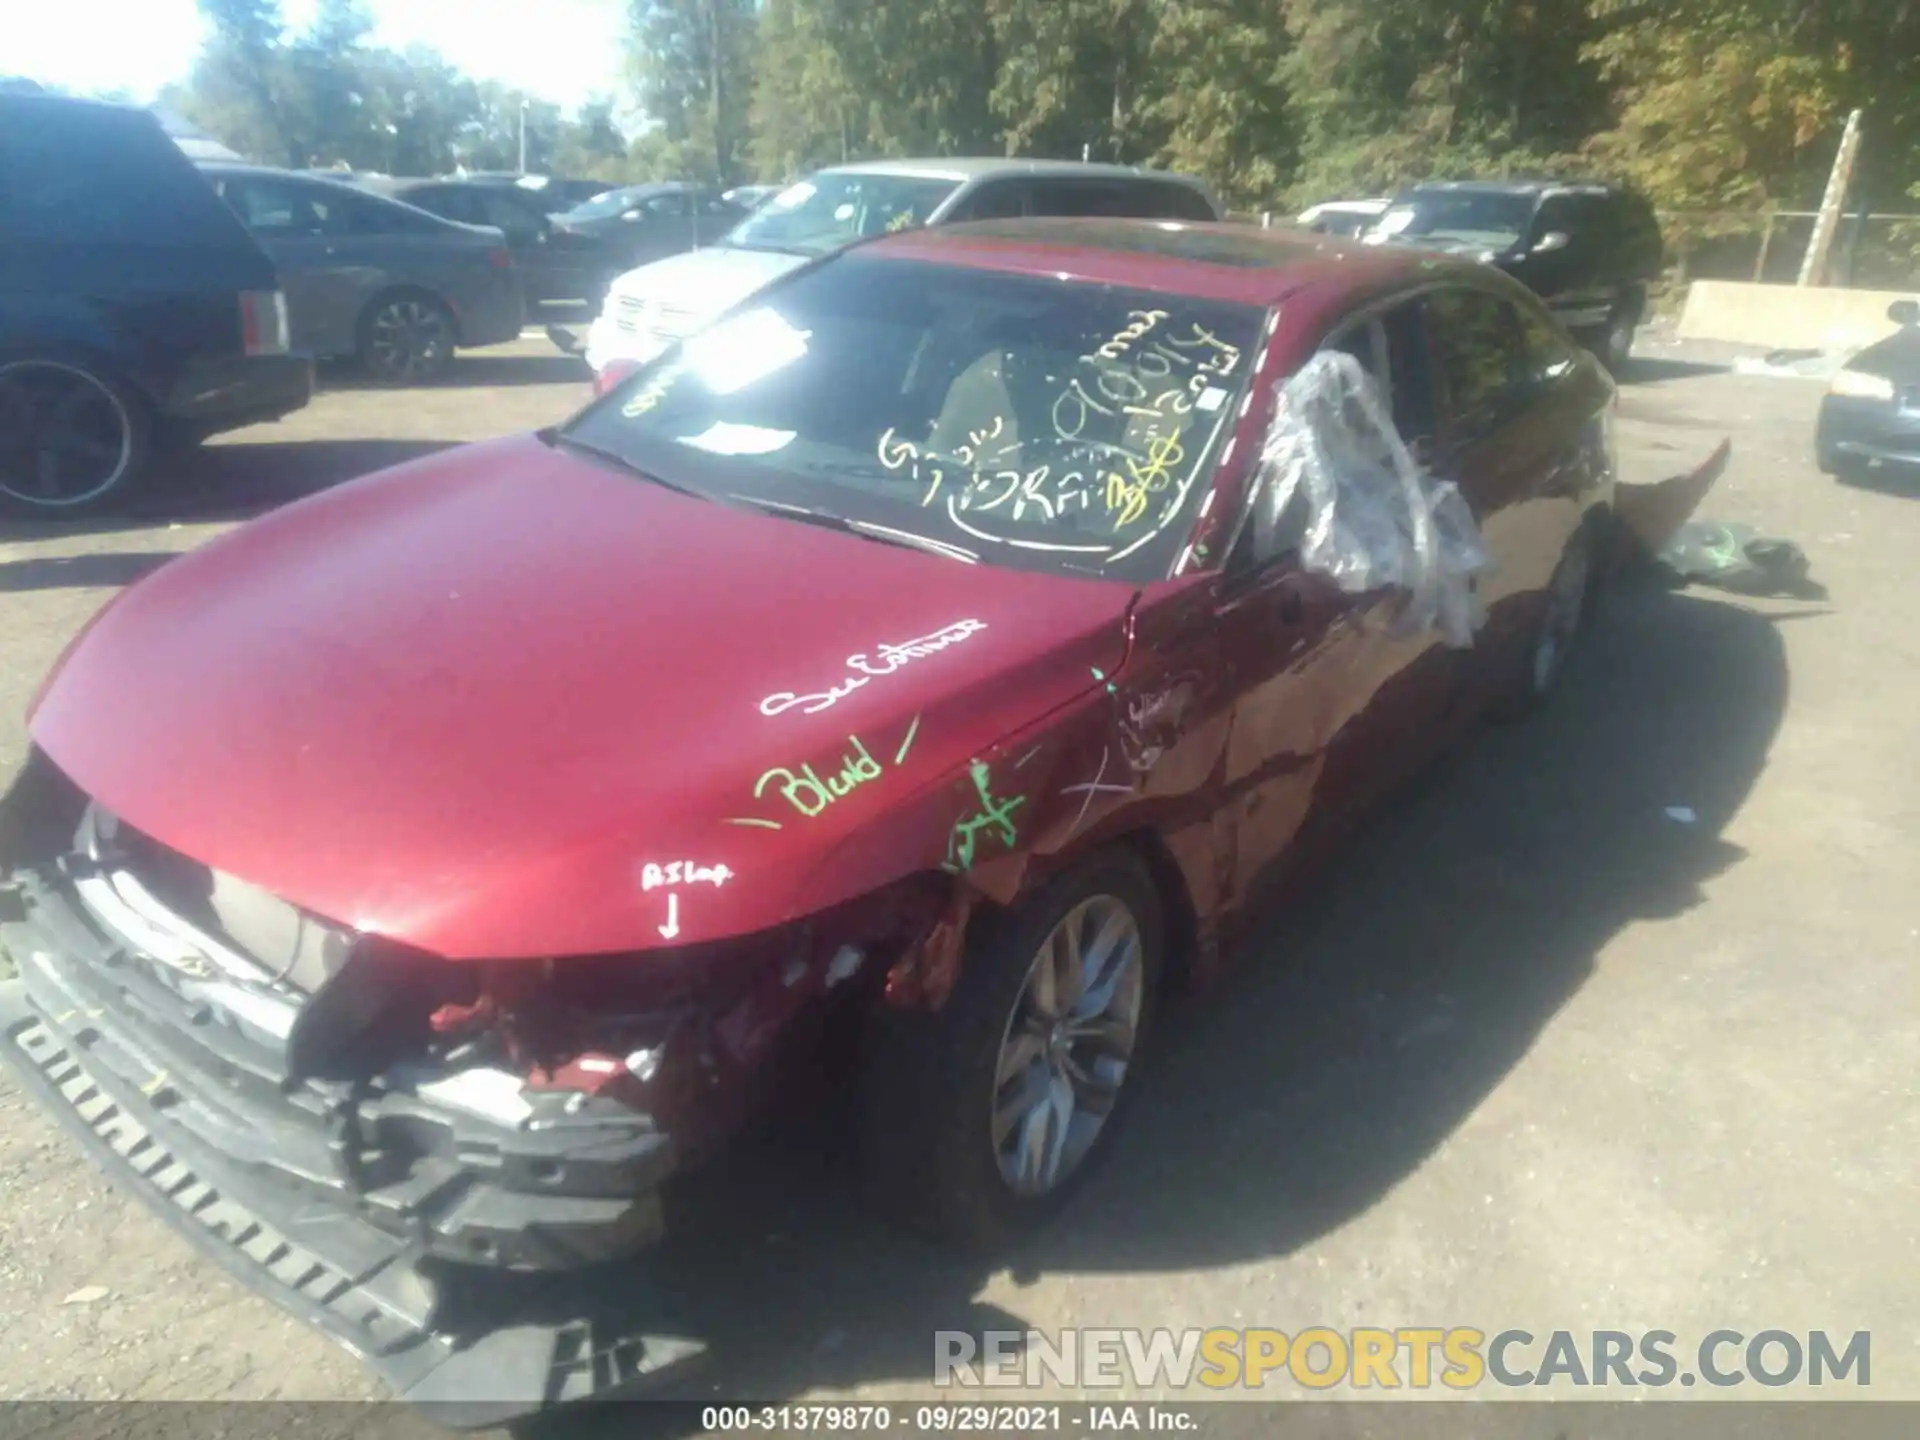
x=1737 y=558
x=1650 y=515
x=87 y=1296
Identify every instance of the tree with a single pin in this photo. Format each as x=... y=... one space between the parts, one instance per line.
x=692 y=62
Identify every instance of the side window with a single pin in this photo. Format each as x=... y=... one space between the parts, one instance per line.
x=449 y=204
x=1410 y=378
x=1478 y=341
x=669 y=207
x=1000 y=200
x=1182 y=202
x=352 y=215
x=275 y=210
x=514 y=220
x=714 y=205
x=1557 y=212
x=1088 y=198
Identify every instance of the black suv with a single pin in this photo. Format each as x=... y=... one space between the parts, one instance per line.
x=136 y=313
x=1589 y=250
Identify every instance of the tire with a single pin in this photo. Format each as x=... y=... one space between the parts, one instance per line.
x=1615 y=345
x=406 y=337
x=1567 y=607
x=936 y=1084
x=74 y=438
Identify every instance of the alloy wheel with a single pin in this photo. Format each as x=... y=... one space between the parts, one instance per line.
x=409 y=340
x=1067 y=1045
x=65 y=437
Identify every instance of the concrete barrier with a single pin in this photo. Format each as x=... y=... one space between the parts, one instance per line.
x=1787 y=317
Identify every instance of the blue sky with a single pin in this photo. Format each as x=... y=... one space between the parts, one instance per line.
x=560 y=50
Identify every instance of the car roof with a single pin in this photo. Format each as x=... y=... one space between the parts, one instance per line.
x=965 y=168
x=305 y=177
x=1216 y=260
x=1534 y=187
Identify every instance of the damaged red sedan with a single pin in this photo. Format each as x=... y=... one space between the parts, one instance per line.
x=913 y=675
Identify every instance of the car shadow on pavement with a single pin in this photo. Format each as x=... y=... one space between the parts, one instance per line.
x=222 y=481
x=1648 y=370
x=79 y=572
x=473 y=368
x=1350 y=1040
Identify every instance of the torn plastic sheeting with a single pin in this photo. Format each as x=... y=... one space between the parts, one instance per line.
x=1338 y=483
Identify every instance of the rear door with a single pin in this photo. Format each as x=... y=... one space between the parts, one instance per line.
x=294 y=221
x=1514 y=428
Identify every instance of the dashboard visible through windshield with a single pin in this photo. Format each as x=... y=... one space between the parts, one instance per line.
x=1045 y=423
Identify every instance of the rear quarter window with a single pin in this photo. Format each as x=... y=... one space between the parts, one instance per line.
x=96 y=175
x=1183 y=202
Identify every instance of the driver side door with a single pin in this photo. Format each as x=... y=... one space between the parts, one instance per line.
x=1331 y=709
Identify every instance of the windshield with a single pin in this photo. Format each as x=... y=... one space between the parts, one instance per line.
x=603 y=207
x=835 y=208
x=1048 y=424
x=1471 y=217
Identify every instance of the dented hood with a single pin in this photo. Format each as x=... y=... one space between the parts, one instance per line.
x=488 y=701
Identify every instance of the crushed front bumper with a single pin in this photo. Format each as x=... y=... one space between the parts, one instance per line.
x=352 y=1208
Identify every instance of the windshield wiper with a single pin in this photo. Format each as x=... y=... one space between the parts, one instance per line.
x=865 y=529
x=627 y=467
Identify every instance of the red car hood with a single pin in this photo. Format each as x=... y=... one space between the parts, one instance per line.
x=469 y=702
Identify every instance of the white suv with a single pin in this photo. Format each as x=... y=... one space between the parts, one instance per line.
x=648 y=309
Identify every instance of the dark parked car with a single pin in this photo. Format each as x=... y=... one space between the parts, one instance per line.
x=558 y=194
x=641 y=223
x=1871 y=414
x=910 y=679
x=375 y=280
x=555 y=263
x=1589 y=250
x=135 y=312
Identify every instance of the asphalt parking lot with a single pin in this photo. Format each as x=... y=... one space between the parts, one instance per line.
x=1539 y=1055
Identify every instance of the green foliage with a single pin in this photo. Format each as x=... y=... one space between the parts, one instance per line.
x=692 y=65
x=1720 y=109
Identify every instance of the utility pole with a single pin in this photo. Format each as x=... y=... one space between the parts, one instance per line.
x=523 y=134
x=1833 y=205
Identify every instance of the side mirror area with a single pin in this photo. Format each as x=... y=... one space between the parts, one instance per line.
x=1551 y=241
x=1904 y=312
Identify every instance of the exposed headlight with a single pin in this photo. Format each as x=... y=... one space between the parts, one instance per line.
x=1859 y=385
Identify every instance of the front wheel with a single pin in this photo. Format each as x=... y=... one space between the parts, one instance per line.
x=1616 y=341
x=982 y=1118
x=406 y=339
